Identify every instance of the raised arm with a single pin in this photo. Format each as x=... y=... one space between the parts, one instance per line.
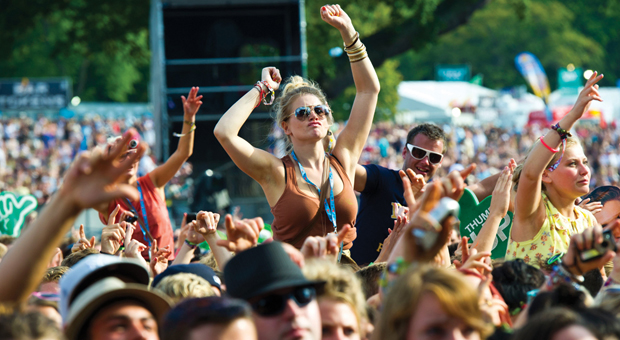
x=528 y=206
x=164 y=173
x=255 y=162
x=352 y=139
x=499 y=208
x=91 y=180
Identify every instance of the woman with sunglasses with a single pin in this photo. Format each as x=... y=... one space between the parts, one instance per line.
x=554 y=173
x=293 y=185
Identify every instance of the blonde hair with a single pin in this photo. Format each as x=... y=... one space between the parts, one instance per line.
x=296 y=86
x=456 y=297
x=570 y=142
x=184 y=286
x=342 y=285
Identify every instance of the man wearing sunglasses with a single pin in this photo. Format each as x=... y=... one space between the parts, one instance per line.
x=382 y=190
x=283 y=301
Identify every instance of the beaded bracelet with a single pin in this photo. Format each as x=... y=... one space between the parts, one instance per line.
x=261 y=93
x=542 y=141
x=563 y=133
x=270 y=91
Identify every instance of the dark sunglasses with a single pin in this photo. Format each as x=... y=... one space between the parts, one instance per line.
x=274 y=304
x=419 y=153
x=302 y=113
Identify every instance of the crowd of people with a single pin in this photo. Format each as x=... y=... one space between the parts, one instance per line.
x=389 y=266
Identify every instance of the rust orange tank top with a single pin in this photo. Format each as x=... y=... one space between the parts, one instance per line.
x=295 y=209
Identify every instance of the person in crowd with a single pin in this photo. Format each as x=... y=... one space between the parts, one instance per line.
x=514 y=279
x=431 y=303
x=198 y=269
x=341 y=301
x=310 y=192
x=213 y=318
x=556 y=324
x=554 y=174
x=283 y=300
x=112 y=309
x=150 y=209
x=381 y=189
x=29 y=325
x=608 y=208
x=183 y=286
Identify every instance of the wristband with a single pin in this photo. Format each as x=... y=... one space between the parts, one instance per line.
x=191 y=245
x=542 y=141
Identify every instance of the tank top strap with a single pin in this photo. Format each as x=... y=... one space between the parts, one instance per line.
x=289 y=168
x=335 y=163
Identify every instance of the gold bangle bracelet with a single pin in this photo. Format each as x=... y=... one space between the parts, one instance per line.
x=357 y=55
x=356 y=49
x=358 y=59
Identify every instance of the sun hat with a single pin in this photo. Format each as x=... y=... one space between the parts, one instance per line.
x=92 y=268
x=107 y=290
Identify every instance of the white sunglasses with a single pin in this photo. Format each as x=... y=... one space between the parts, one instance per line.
x=419 y=153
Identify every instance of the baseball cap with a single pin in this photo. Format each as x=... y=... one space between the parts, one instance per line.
x=194 y=268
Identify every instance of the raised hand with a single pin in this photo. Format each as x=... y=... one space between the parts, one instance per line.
x=407 y=246
x=454 y=185
x=159 y=259
x=93 y=178
x=417 y=181
x=500 y=200
x=585 y=241
x=324 y=247
x=586 y=96
x=133 y=248
x=113 y=234
x=272 y=76
x=83 y=242
x=206 y=223
x=593 y=207
x=476 y=261
x=337 y=17
x=394 y=234
x=242 y=234
x=192 y=103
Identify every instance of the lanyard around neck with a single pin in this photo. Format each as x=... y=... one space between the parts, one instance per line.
x=144 y=227
x=330 y=208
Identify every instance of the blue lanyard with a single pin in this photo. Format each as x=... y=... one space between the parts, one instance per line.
x=144 y=218
x=330 y=208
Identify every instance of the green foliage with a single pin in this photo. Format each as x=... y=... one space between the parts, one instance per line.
x=496 y=34
x=102 y=46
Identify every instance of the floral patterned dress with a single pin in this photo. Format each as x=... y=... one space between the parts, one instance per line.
x=552 y=238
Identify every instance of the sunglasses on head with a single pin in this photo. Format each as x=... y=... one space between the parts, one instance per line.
x=419 y=153
x=302 y=113
x=274 y=304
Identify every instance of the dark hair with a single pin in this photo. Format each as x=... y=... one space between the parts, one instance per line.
x=593 y=281
x=74 y=258
x=189 y=314
x=563 y=295
x=369 y=276
x=604 y=194
x=602 y=323
x=431 y=131
x=546 y=325
x=513 y=279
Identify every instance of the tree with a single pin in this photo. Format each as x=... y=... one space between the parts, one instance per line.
x=388 y=28
x=101 y=45
x=496 y=34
